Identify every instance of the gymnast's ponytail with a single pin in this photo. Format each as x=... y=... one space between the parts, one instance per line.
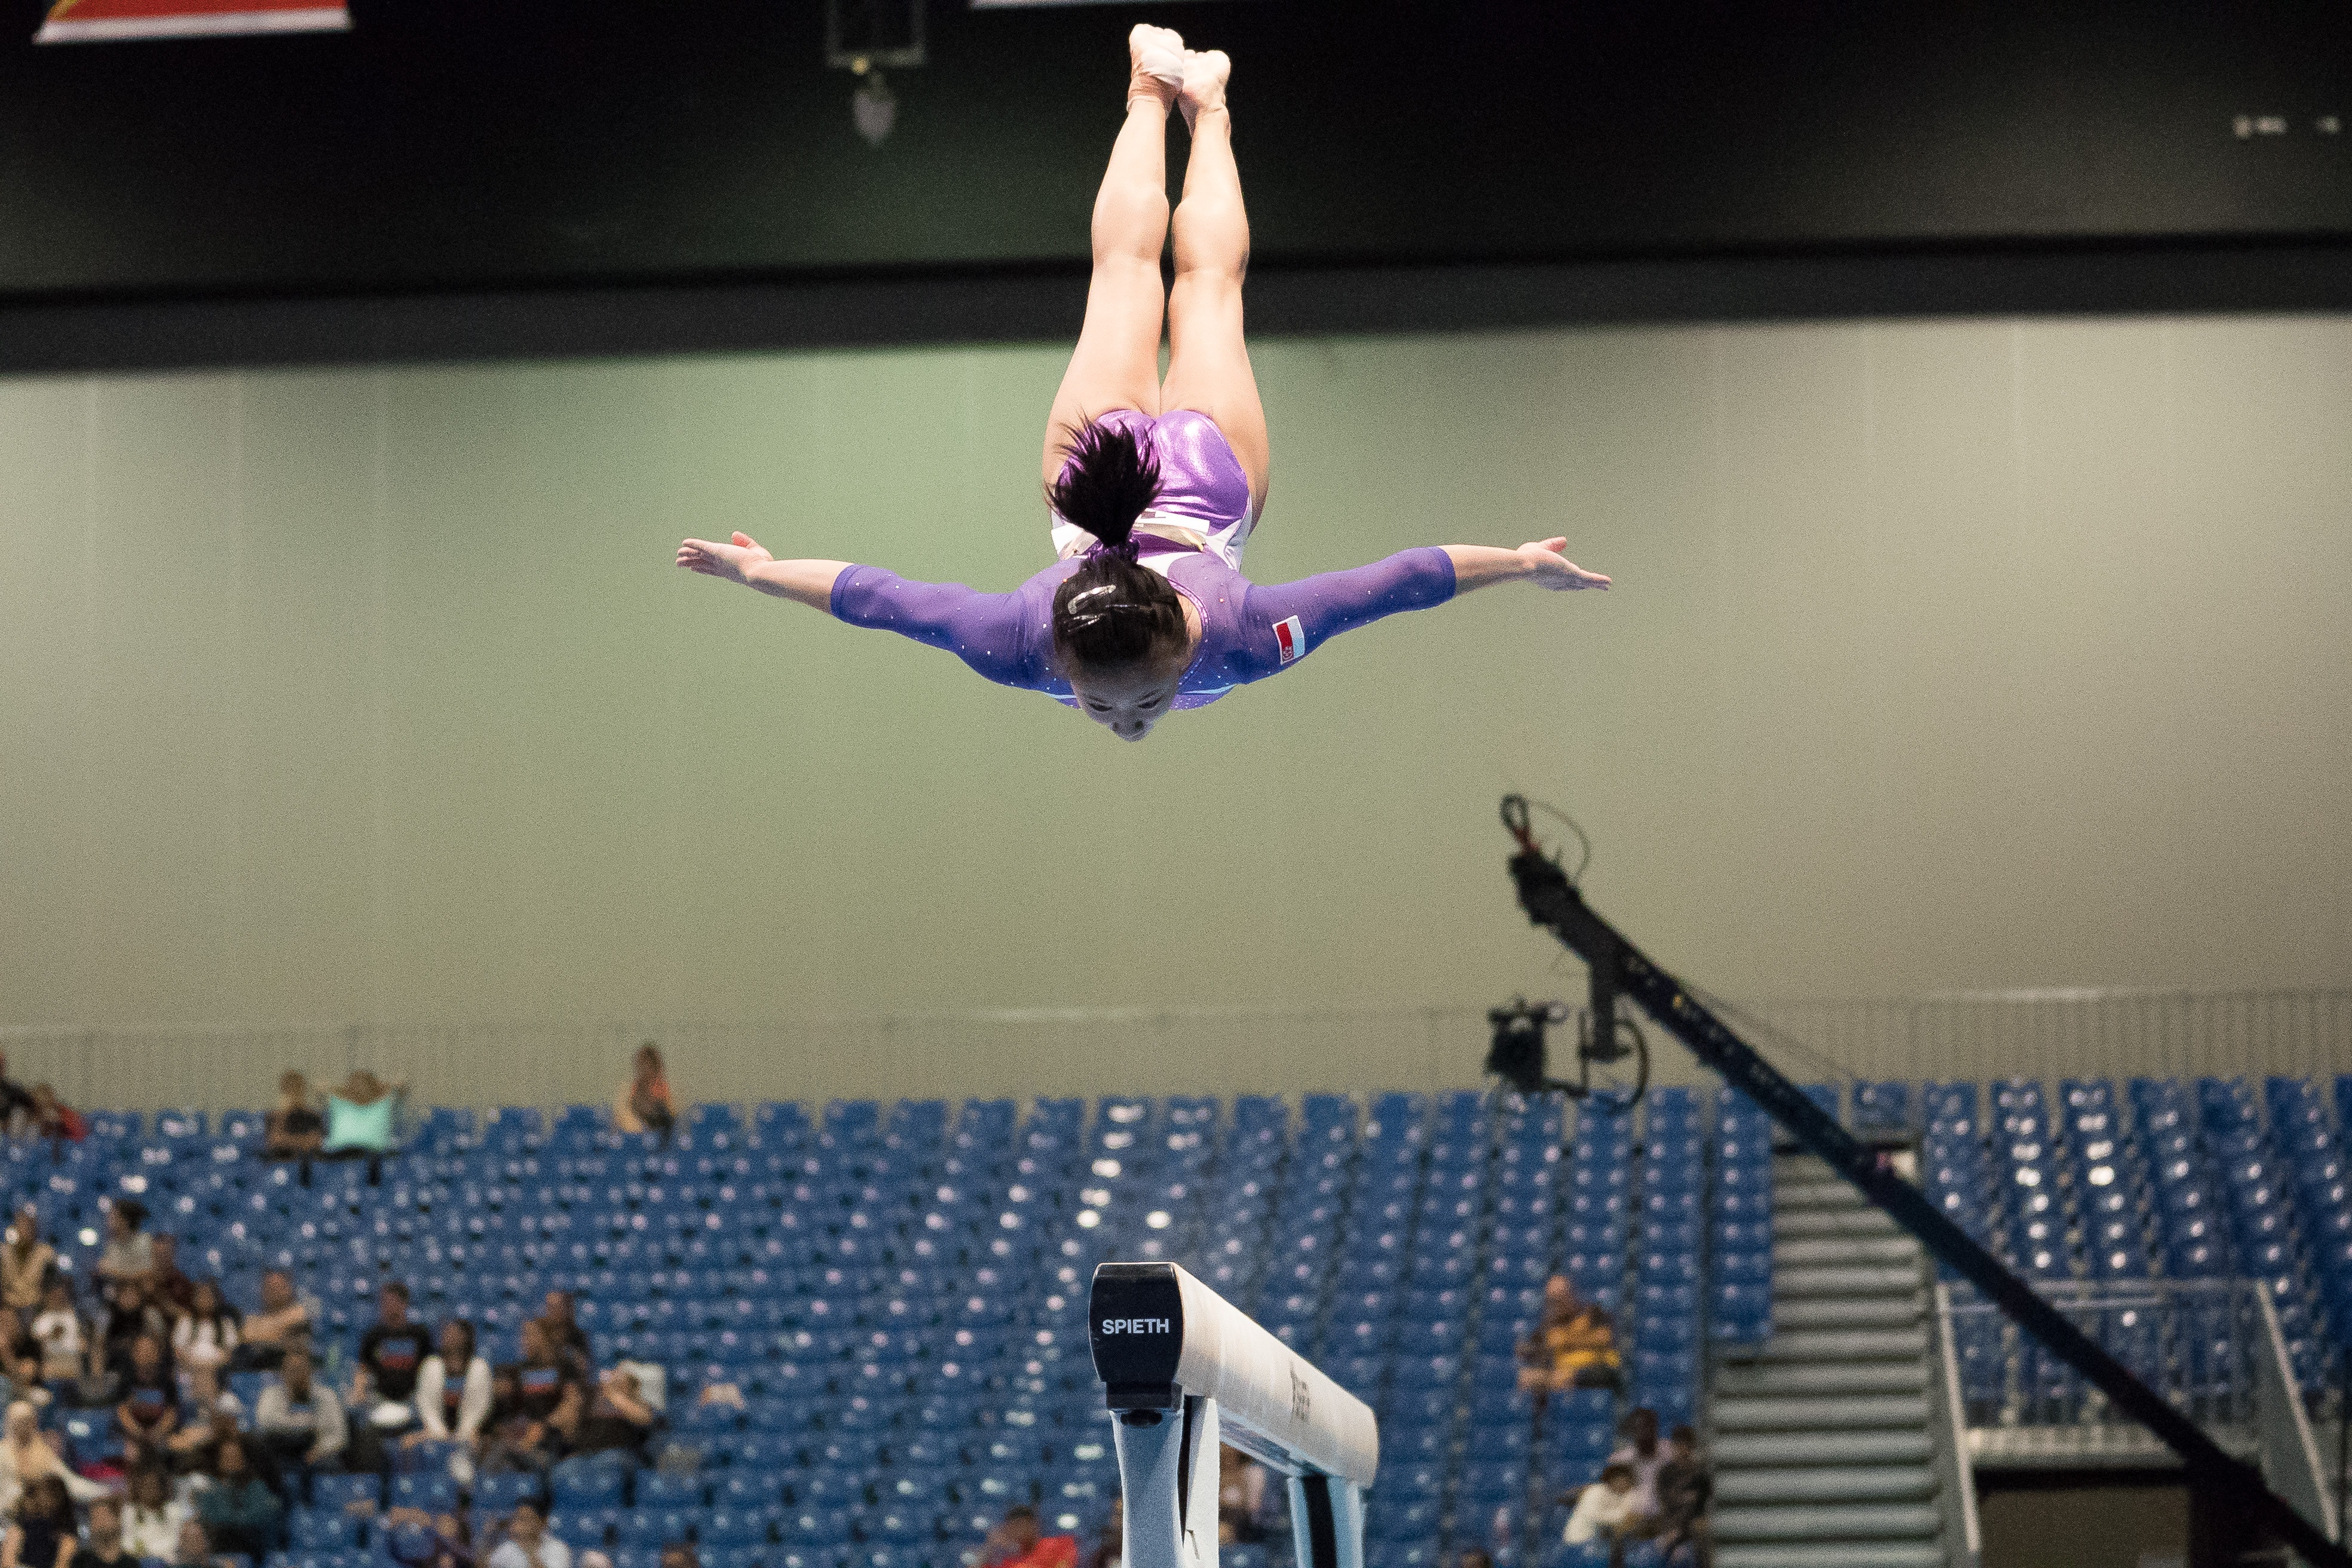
x=1111 y=611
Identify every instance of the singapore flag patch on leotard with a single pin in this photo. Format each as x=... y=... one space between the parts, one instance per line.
x=1291 y=637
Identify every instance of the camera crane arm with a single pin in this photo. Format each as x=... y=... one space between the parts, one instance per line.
x=1619 y=968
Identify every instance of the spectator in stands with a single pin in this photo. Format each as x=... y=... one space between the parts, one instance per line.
x=414 y=1539
x=239 y=1510
x=618 y=1420
x=360 y=1118
x=41 y=1530
x=67 y=1342
x=215 y=1415
x=1641 y=1454
x=1238 y=1491
x=453 y=1389
x=549 y=1397
x=1018 y=1544
x=129 y=1252
x=20 y=1360
x=299 y=1419
x=134 y=1312
x=680 y=1554
x=1606 y=1510
x=205 y=1334
x=282 y=1321
x=27 y=1455
x=149 y=1410
x=173 y=1291
x=643 y=1103
x=1574 y=1345
x=26 y=1262
x=193 y=1547
x=14 y=1100
x=153 y=1518
x=105 y=1546
x=1685 y=1491
x=383 y=1383
x=1474 y=1557
x=54 y=1120
x=528 y=1544
x=293 y=1130
x=564 y=1331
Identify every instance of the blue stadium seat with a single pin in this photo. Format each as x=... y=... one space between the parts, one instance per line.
x=498 y=1493
x=588 y=1481
x=337 y=1493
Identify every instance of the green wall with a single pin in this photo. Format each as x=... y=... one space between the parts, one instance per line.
x=1942 y=655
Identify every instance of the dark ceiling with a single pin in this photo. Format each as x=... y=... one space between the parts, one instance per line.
x=528 y=159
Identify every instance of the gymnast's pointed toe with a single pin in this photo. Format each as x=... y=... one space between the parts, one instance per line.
x=1157 y=63
x=1206 y=72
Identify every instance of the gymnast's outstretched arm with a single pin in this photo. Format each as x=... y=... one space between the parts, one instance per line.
x=744 y=560
x=1539 y=561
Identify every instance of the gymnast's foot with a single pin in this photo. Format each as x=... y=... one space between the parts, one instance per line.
x=1204 y=83
x=1158 y=58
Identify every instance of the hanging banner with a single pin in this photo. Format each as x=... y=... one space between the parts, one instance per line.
x=100 y=21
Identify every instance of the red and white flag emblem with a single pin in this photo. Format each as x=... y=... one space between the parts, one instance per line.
x=1291 y=637
x=89 y=21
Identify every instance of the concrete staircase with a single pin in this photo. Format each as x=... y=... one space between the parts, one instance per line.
x=1824 y=1440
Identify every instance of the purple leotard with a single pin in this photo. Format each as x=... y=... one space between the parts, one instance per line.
x=1248 y=631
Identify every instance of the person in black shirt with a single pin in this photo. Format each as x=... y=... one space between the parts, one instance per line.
x=530 y=1428
x=149 y=1411
x=1685 y=1489
x=384 y=1386
x=564 y=1334
x=42 y=1535
x=618 y=1418
x=105 y=1546
x=295 y=1130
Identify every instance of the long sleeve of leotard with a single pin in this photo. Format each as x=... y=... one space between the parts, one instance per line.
x=989 y=632
x=1319 y=608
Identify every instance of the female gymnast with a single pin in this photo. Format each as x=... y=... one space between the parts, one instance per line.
x=1152 y=496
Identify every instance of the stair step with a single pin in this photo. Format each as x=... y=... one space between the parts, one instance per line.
x=1835 y=1222
x=1873 y=1554
x=1845 y=1281
x=1818 y=1194
x=1770 y=1449
x=1841 y=1251
x=1737 y=1413
x=1827 y=1483
x=1769 y=1381
x=1907 y=1342
x=1829 y=1521
x=1835 y=1313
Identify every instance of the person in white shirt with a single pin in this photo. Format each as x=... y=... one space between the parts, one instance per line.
x=528 y=1544
x=298 y=1419
x=153 y=1518
x=205 y=1334
x=1642 y=1454
x=1606 y=1510
x=27 y=1455
x=64 y=1334
x=453 y=1389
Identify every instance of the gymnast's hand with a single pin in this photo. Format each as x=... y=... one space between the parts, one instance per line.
x=1548 y=567
x=735 y=561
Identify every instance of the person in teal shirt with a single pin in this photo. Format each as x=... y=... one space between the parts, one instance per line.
x=359 y=1115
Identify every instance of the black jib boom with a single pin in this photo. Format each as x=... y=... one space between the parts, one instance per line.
x=1621 y=969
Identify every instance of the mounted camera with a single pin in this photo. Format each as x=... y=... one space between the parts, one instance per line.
x=1613 y=1062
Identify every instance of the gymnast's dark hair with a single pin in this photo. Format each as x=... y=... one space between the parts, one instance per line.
x=1111 y=611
